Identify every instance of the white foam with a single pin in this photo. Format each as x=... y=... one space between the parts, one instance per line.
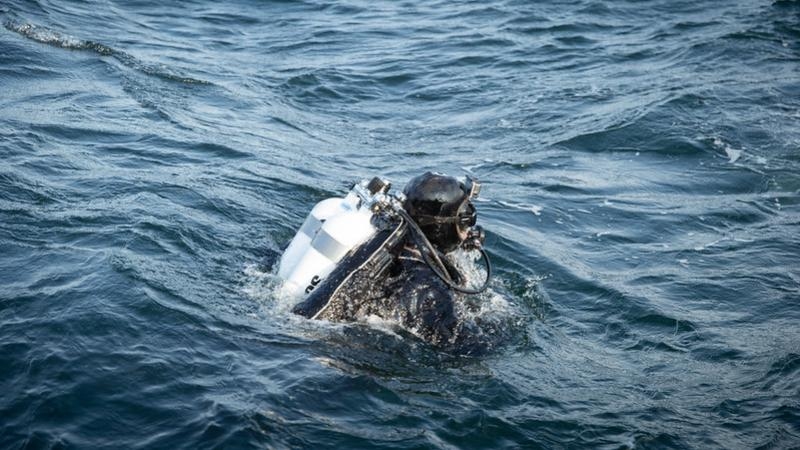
x=263 y=286
x=710 y=244
x=732 y=153
x=535 y=209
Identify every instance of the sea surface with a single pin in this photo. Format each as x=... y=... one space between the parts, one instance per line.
x=641 y=170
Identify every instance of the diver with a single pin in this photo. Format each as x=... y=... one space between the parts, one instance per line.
x=404 y=271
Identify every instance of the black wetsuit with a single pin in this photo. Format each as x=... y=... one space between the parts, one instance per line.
x=420 y=301
x=406 y=292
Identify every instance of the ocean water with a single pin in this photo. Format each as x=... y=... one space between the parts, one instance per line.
x=641 y=170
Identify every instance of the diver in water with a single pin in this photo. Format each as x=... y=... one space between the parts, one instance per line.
x=405 y=273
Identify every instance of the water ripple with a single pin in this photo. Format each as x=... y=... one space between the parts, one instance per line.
x=640 y=199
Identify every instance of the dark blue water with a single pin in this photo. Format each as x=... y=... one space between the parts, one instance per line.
x=641 y=163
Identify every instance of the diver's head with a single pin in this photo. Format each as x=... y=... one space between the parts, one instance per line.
x=441 y=206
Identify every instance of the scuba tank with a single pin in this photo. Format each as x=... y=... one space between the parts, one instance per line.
x=301 y=242
x=334 y=228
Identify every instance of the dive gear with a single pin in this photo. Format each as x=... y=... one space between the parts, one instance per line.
x=359 y=235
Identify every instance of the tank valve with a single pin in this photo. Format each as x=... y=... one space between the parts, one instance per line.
x=377 y=185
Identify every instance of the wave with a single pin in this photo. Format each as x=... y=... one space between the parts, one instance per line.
x=54 y=38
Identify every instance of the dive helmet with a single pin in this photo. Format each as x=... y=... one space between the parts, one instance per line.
x=441 y=206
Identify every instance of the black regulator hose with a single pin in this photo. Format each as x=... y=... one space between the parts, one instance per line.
x=431 y=257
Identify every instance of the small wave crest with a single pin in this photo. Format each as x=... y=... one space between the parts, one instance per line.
x=54 y=38
x=50 y=37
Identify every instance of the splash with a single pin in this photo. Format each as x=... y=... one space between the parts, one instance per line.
x=486 y=317
x=263 y=285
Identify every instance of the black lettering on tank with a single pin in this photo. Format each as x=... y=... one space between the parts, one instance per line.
x=314 y=282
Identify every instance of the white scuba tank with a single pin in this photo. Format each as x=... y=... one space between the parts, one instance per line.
x=299 y=245
x=334 y=228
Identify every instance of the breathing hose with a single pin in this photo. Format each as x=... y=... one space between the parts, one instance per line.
x=431 y=257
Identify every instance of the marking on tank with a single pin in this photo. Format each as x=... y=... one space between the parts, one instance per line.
x=314 y=282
